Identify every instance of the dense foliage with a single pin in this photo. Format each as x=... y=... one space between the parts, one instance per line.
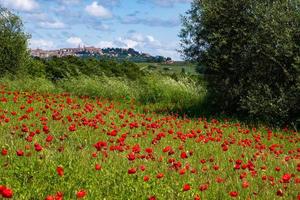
x=13 y=42
x=251 y=53
x=67 y=67
x=131 y=55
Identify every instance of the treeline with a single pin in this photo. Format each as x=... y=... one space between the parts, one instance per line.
x=56 y=68
x=131 y=55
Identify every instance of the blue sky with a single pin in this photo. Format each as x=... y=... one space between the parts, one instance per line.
x=150 y=26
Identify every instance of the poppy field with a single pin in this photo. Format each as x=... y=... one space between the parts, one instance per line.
x=58 y=146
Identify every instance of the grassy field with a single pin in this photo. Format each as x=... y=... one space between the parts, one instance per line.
x=58 y=146
x=176 y=67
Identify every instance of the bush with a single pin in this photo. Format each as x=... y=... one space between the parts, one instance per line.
x=251 y=52
x=34 y=68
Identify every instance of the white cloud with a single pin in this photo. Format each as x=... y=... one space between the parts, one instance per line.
x=22 y=5
x=75 y=41
x=105 y=44
x=126 y=43
x=98 y=10
x=41 y=44
x=143 y=43
x=52 y=24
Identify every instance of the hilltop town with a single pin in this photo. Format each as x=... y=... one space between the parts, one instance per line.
x=82 y=51
x=65 y=52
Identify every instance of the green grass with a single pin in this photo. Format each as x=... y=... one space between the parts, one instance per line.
x=174 y=68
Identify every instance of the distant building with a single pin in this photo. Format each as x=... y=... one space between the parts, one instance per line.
x=65 y=52
x=115 y=53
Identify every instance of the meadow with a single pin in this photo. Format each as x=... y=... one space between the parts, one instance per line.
x=89 y=123
x=57 y=145
x=170 y=68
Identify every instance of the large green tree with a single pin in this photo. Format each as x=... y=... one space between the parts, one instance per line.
x=13 y=42
x=250 y=50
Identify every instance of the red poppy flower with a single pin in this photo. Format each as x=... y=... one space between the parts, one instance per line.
x=286 y=178
x=146 y=178
x=159 y=175
x=203 y=187
x=80 y=194
x=97 y=167
x=4 y=152
x=183 y=155
x=152 y=198
x=186 y=187
x=219 y=180
x=60 y=171
x=143 y=168
x=233 y=194
x=49 y=138
x=20 y=153
x=182 y=171
x=245 y=184
x=167 y=148
x=38 y=147
x=132 y=171
x=46 y=129
x=72 y=128
x=279 y=193
x=216 y=167
x=131 y=156
x=7 y=193
x=149 y=150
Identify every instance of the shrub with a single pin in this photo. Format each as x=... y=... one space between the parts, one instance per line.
x=34 y=68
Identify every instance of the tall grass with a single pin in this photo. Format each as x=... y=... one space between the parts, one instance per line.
x=149 y=89
x=161 y=90
x=26 y=83
x=164 y=89
x=106 y=87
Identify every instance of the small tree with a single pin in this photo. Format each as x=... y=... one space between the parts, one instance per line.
x=251 y=53
x=13 y=42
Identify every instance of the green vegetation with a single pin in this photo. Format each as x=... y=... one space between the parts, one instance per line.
x=176 y=67
x=13 y=43
x=84 y=128
x=250 y=51
x=157 y=91
x=130 y=55
x=247 y=74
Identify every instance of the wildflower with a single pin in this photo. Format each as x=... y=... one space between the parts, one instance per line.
x=186 y=187
x=80 y=194
x=233 y=194
x=60 y=171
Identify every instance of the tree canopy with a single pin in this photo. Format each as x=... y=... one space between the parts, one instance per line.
x=13 y=42
x=250 y=50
